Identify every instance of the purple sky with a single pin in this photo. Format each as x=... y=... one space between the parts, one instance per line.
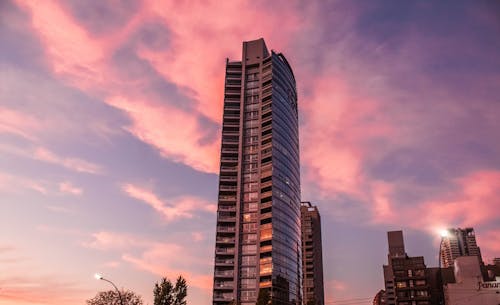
x=110 y=117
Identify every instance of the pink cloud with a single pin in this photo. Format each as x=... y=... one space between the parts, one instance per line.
x=203 y=35
x=339 y=123
x=11 y=183
x=475 y=204
x=84 y=60
x=489 y=242
x=70 y=48
x=69 y=188
x=174 y=132
x=75 y=164
x=183 y=207
x=18 y=123
x=113 y=241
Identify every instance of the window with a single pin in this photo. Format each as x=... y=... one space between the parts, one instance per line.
x=248 y=260
x=248 y=272
x=401 y=284
x=249 y=237
x=249 y=249
x=249 y=227
x=247 y=217
x=248 y=283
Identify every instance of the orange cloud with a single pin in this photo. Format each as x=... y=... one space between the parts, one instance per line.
x=183 y=207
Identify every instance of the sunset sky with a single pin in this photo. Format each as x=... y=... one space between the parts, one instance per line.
x=110 y=115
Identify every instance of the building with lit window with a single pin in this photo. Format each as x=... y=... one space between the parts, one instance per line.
x=405 y=277
x=312 y=255
x=456 y=243
x=258 y=236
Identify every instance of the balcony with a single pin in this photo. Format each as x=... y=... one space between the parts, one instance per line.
x=266 y=248
x=219 y=250
x=226 y=219
x=228 y=188
x=228 y=168
x=224 y=273
x=223 y=297
x=227 y=208
x=266 y=215
x=224 y=262
x=229 y=150
x=228 y=178
x=225 y=229
x=225 y=240
x=224 y=285
x=227 y=198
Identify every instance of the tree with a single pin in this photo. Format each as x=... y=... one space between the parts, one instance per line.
x=111 y=297
x=165 y=293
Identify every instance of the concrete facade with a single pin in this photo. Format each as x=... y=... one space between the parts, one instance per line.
x=469 y=287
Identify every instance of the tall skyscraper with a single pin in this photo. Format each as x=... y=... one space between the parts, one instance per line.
x=458 y=242
x=312 y=255
x=258 y=218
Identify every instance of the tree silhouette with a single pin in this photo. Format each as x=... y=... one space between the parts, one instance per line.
x=165 y=293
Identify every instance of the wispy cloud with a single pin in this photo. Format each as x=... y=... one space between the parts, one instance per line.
x=75 y=164
x=68 y=188
x=18 y=123
x=178 y=208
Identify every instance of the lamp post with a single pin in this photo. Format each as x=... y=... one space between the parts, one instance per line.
x=100 y=277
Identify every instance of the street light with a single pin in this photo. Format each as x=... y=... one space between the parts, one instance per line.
x=100 y=277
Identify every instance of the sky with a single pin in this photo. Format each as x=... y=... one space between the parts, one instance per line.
x=110 y=125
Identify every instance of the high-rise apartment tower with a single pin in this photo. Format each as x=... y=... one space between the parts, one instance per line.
x=258 y=217
x=312 y=256
x=456 y=243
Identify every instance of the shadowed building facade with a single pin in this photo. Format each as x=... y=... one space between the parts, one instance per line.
x=405 y=277
x=312 y=255
x=258 y=217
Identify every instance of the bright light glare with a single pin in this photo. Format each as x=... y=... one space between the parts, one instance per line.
x=98 y=276
x=443 y=233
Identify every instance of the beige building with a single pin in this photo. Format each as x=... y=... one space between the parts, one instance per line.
x=469 y=287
